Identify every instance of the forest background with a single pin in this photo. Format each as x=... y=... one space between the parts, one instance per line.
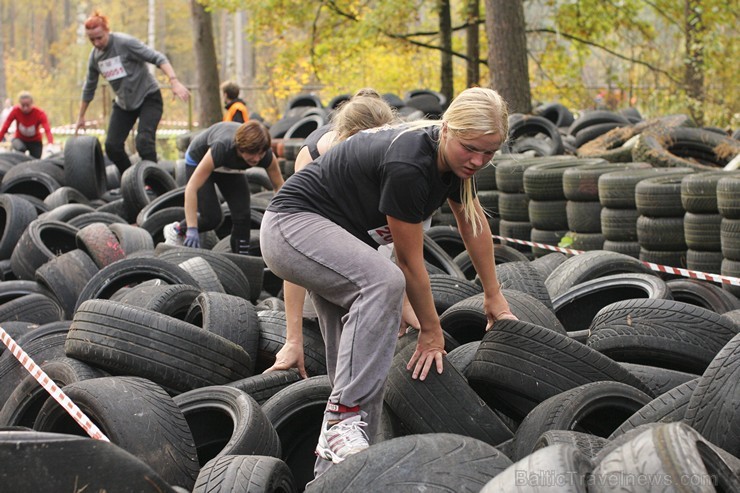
x=660 y=56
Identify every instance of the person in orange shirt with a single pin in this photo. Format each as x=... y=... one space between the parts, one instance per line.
x=29 y=121
x=236 y=108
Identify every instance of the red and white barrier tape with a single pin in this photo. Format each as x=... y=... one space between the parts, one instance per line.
x=47 y=383
x=693 y=274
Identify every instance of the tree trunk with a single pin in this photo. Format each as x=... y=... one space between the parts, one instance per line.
x=694 y=65
x=445 y=38
x=472 y=49
x=209 y=111
x=507 y=53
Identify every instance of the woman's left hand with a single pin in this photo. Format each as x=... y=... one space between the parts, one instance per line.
x=496 y=308
x=430 y=347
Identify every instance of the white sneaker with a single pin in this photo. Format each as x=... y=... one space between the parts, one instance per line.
x=342 y=440
x=171 y=236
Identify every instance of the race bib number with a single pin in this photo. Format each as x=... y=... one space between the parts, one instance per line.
x=26 y=131
x=382 y=235
x=112 y=68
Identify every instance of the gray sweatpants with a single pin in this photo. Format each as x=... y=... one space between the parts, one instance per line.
x=358 y=295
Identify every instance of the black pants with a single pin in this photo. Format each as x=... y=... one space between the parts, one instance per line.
x=122 y=121
x=234 y=188
x=34 y=148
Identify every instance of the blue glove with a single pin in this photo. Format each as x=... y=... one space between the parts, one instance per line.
x=192 y=239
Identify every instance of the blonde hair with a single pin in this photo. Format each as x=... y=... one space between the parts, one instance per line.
x=474 y=112
x=252 y=137
x=24 y=95
x=360 y=113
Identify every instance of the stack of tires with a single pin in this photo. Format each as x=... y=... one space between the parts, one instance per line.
x=545 y=186
x=702 y=221
x=619 y=212
x=728 y=204
x=660 y=229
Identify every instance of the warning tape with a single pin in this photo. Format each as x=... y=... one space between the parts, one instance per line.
x=693 y=274
x=47 y=383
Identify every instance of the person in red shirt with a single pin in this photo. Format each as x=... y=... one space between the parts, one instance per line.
x=28 y=120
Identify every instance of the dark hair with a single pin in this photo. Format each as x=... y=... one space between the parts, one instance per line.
x=252 y=137
x=231 y=89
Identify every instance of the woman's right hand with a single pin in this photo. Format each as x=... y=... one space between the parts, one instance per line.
x=290 y=356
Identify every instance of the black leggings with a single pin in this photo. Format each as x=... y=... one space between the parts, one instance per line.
x=34 y=148
x=234 y=188
x=122 y=121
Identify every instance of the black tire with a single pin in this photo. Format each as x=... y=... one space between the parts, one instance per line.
x=680 y=146
x=34 y=307
x=583 y=217
x=728 y=191
x=203 y=273
x=590 y=265
x=30 y=183
x=703 y=294
x=173 y=300
x=232 y=278
x=437 y=256
x=466 y=321
x=577 y=307
x=65 y=212
x=521 y=276
x=98 y=465
x=660 y=196
x=699 y=191
x=129 y=271
x=65 y=195
x=96 y=216
x=659 y=380
x=42 y=343
x=668 y=407
x=23 y=405
x=227 y=421
x=172 y=199
x=629 y=248
x=582 y=182
x=548 y=262
x=617 y=188
x=664 y=333
x=66 y=276
x=124 y=339
x=443 y=403
x=510 y=170
x=596 y=117
x=730 y=238
x=513 y=206
x=703 y=232
x=447 y=461
x=584 y=242
x=709 y=262
x=530 y=126
x=296 y=413
x=712 y=410
x=545 y=181
x=132 y=238
x=245 y=474
x=264 y=385
x=135 y=414
x=142 y=182
x=547 y=214
x=229 y=316
x=272 y=339
x=448 y=290
x=39 y=243
x=84 y=165
x=16 y=214
x=518 y=365
x=448 y=237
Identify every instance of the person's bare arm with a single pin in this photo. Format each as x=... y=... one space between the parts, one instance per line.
x=291 y=355
x=81 y=116
x=178 y=88
x=480 y=248
x=408 y=241
x=196 y=181
x=275 y=175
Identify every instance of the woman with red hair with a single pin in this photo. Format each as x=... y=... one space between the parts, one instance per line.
x=122 y=60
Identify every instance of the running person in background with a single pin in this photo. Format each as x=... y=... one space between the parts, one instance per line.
x=219 y=156
x=236 y=108
x=29 y=122
x=122 y=60
x=364 y=110
x=322 y=229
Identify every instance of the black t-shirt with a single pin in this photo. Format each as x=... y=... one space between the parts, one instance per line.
x=375 y=173
x=312 y=141
x=219 y=138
